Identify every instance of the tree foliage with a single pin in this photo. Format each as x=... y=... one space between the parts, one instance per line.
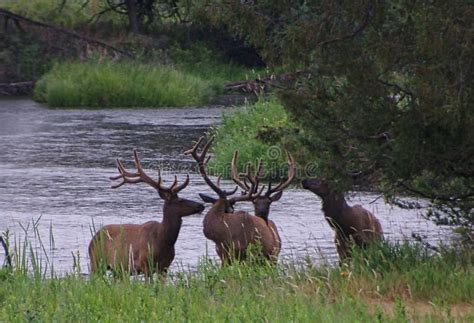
x=390 y=97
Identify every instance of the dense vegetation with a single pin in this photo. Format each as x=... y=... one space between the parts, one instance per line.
x=382 y=95
x=387 y=282
x=254 y=131
x=178 y=63
x=390 y=93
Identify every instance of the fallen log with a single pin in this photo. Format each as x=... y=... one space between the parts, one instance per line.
x=263 y=85
x=17 y=88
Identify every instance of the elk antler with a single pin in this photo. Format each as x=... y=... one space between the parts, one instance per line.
x=254 y=180
x=283 y=184
x=201 y=159
x=141 y=177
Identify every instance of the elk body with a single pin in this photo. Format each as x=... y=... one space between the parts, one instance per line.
x=352 y=224
x=148 y=247
x=262 y=202
x=233 y=232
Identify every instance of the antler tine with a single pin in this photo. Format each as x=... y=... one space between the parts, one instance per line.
x=249 y=194
x=123 y=171
x=132 y=178
x=269 y=190
x=206 y=147
x=202 y=161
x=235 y=173
x=193 y=150
x=178 y=188
x=124 y=175
x=175 y=182
x=291 y=174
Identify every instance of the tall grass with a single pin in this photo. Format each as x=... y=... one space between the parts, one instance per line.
x=120 y=84
x=384 y=283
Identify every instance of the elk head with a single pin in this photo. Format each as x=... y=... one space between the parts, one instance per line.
x=173 y=204
x=261 y=201
x=223 y=195
x=318 y=186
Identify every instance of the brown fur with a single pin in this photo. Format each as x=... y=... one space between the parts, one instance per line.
x=352 y=224
x=234 y=233
x=148 y=247
x=136 y=247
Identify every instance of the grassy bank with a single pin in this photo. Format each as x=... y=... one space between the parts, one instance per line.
x=121 y=84
x=261 y=130
x=386 y=283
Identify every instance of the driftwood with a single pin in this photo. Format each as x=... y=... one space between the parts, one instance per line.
x=263 y=85
x=18 y=88
x=68 y=33
x=7 y=252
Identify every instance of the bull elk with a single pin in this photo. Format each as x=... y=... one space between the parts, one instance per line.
x=352 y=224
x=143 y=248
x=262 y=202
x=233 y=232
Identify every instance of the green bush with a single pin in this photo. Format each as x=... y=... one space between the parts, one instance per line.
x=255 y=131
x=120 y=84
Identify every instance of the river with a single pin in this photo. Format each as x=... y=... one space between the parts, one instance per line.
x=55 y=166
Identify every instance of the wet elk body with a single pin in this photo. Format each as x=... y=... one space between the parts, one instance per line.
x=233 y=232
x=147 y=247
x=352 y=224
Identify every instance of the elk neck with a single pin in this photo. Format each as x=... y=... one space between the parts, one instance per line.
x=171 y=225
x=218 y=208
x=333 y=205
x=213 y=223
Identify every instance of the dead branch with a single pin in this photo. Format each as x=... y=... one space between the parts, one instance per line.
x=69 y=33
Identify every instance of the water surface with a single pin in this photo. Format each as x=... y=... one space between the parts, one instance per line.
x=55 y=166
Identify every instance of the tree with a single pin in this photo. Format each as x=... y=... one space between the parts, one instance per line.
x=390 y=99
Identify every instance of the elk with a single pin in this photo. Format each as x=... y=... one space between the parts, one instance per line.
x=148 y=247
x=233 y=232
x=352 y=224
x=261 y=201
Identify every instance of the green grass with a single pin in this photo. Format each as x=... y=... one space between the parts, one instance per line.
x=120 y=84
x=387 y=282
x=255 y=131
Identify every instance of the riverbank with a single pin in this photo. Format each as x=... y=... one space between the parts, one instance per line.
x=386 y=283
x=83 y=64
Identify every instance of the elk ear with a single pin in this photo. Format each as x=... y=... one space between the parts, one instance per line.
x=208 y=199
x=276 y=196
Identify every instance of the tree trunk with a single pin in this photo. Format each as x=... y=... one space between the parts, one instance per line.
x=132 y=16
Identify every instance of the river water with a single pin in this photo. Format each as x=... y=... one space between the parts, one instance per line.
x=55 y=166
